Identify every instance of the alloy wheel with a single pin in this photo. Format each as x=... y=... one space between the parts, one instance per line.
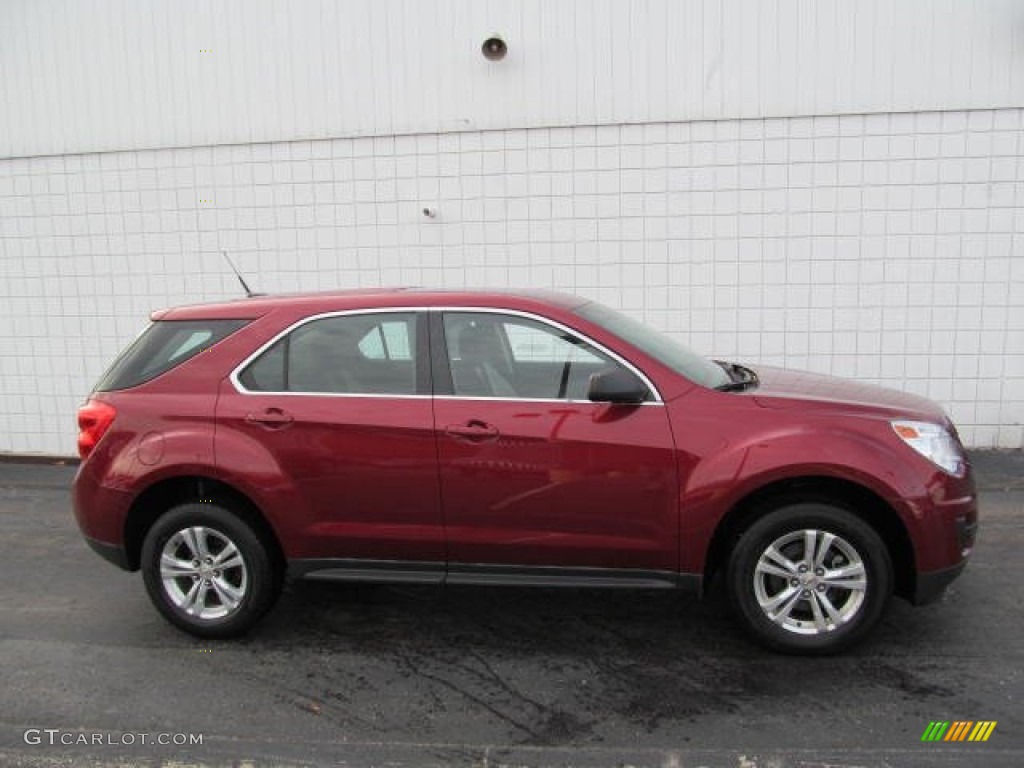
x=203 y=572
x=810 y=582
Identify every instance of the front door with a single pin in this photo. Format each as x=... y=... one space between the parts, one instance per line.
x=533 y=473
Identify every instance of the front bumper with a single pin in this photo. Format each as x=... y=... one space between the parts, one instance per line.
x=932 y=585
x=941 y=520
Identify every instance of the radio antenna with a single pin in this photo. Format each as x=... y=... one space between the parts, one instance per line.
x=245 y=286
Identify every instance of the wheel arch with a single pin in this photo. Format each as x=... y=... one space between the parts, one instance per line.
x=169 y=492
x=851 y=496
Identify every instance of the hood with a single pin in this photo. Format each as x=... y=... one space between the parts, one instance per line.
x=782 y=388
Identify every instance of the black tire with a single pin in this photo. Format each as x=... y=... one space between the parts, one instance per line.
x=809 y=627
x=249 y=589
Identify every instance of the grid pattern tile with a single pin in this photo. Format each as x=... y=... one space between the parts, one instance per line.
x=884 y=247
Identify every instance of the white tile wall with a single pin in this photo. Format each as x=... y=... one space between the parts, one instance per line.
x=886 y=247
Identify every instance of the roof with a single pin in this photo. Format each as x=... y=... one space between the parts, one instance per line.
x=366 y=298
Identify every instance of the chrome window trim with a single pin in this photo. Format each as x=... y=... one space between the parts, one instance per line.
x=240 y=389
x=367 y=395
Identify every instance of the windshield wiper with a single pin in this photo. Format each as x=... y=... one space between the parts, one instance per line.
x=741 y=377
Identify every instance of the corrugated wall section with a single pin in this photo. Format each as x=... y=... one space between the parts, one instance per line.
x=132 y=74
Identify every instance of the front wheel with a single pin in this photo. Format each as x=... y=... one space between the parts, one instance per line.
x=207 y=571
x=809 y=578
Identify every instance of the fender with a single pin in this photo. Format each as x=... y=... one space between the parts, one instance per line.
x=147 y=457
x=245 y=464
x=717 y=483
x=121 y=470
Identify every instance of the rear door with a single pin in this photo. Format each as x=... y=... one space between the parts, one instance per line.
x=533 y=473
x=342 y=403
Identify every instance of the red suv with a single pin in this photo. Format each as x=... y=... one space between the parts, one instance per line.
x=492 y=438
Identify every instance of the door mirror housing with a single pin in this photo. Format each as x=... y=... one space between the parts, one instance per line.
x=617 y=385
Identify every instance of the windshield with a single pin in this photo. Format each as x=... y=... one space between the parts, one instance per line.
x=661 y=347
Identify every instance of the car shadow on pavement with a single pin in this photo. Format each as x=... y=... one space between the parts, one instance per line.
x=553 y=666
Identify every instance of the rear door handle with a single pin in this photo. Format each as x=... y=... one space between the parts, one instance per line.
x=270 y=418
x=474 y=430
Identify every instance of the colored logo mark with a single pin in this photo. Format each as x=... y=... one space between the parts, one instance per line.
x=958 y=730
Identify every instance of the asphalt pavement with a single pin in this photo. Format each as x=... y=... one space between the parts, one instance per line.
x=424 y=676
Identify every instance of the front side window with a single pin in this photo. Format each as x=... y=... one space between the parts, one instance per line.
x=371 y=354
x=511 y=357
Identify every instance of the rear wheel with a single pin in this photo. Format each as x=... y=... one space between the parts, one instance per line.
x=207 y=571
x=809 y=578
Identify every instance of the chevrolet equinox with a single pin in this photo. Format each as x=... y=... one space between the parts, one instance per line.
x=489 y=438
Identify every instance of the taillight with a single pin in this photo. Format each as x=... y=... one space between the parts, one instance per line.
x=94 y=418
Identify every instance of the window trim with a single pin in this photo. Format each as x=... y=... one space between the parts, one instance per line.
x=427 y=353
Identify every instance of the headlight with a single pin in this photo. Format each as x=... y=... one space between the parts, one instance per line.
x=933 y=442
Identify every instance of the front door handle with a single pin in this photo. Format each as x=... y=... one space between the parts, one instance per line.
x=270 y=418
x=473 y=430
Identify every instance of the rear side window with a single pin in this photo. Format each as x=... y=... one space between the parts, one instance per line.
x=166 y=344
x=360 y=354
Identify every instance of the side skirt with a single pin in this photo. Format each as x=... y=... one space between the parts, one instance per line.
x=473 y=574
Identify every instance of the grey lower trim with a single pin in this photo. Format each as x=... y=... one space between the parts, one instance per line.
x=932 y=585
x=477 y=574
x=480 y=574
x=112 y=553
x=692 y=582
x=377 y=571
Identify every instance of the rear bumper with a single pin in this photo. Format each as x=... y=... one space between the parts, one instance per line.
x=932 y=585
x=110 y=552
x=100 y=512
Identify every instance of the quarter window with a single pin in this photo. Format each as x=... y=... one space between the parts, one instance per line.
x=163 y=346
x=372 y=354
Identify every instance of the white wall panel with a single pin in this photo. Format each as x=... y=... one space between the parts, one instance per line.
x=94 y=75
x=883 y=247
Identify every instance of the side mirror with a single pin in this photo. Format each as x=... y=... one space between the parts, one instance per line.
x=616 y=385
